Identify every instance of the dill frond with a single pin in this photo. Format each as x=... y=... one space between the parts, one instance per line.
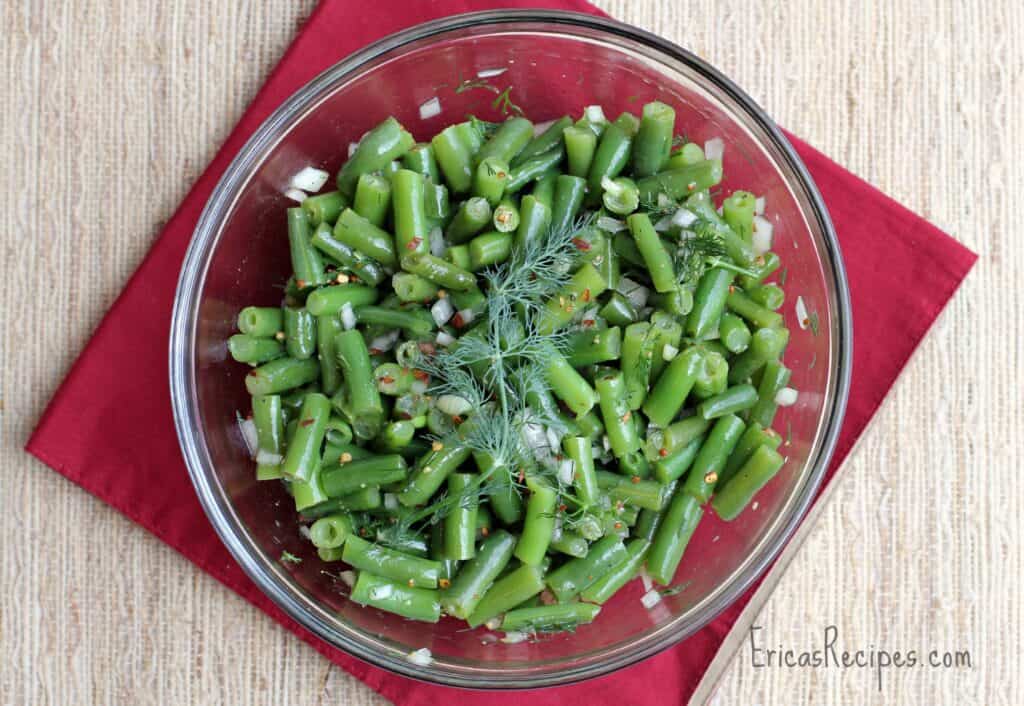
x=694 y=253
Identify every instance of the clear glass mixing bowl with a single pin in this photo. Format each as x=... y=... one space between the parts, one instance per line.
x=555 y=63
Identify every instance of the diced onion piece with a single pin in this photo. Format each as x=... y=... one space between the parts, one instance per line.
x=556 y=531
x=541 y=128
x=248 y=429
x=310 y=179
x=491 y=73
x=390 y=501
x=348 y=577
x=265 y=458
x=759 y=204
x=453 y=405
x=801 y=314
x=304 y=532
x=445 y=339
x=352 y=147
x=493 y=623
x=348 y=316
x=664 y=224
x=566 y=471
x=651 y=598
x=714 y=148
x=646 y=580
x=442 y=310
x=421 y=657
x=612 y=225
x=297 y=195
x=554 y=440
x=418 y=387
x=762 y=238
x=467 y=316
x=386 y=341
x=635 y=292
x=438 y=246
x=786 y=397
x=669 y=352
x=535 y=436
x=606 y=442
x=594 y=114
x=663 y=200
x=684 y=218
x=514 y=637
x=430 y=108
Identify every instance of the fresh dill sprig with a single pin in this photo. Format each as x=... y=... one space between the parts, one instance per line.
x=674 y=590
x=504 y=103
x=485 y=128
x=470 y=84
x=695 y=252
x=289 y=558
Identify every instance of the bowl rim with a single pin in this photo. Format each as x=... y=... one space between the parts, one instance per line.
x=185 y=317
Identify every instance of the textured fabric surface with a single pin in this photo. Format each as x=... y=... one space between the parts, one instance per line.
x=67 y=627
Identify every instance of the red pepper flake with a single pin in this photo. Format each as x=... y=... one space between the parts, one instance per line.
x=586 y=295
x=457 y=320
x=634 y=480
x=587 y=323
x=563 y=507
x=305 y=422
x=255 y=373
x=386 y=379
x=300 y=283
x=444 y=583
x=663 y=452
x=484 y=531
x=375 y=351
x=414 y=243
x=806 y=322
x=617 y=525
x=421 y=375
x=732 y=288
x=581 y=244
x=627 y=416
x=456 y=419
x=522 y=475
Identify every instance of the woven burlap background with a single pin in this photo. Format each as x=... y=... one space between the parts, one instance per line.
x=109 y=109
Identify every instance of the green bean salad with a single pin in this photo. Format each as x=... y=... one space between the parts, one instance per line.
x=514 y=364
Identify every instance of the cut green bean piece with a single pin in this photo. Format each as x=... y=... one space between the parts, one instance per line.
x=549 y=618
x=673 y=535
x=548 y=140
x=711 y=460
x=330 y=532
x=619 y=575
x=306 y=261
x=754 y=436
x=324 y=208
x=680 y=182
x=477 y=575
x=539 y=523
x=653 y=139
x=460 y=523
x=578 y=574
x=303 y=454
x=358 y=474
x=431 y=471
x=489 y=249
x=774 y=377
x=592 y=346
x=260 y=321
x=411 y=226
x=396 y=597
x=363 y=236
x=514 y=588
x=358 y=400
x=281 y=375
x=247 y=349
x=760 y=468
x=733 y=400
x=373 y=198
x=388 y=563
x=384 y=143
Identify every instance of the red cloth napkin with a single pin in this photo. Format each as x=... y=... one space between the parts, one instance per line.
x=109 y=427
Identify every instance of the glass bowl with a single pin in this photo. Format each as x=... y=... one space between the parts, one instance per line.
x=554 y=63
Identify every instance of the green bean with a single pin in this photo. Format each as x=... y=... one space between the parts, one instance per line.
x=589 y=425
x=578 y=574
x=331 y=300
x=584 y=286
x=592 y=346
x=327 y=328
x=460 y=523
x=472 y=217
x=373 y=198
x=690 y=153
x=388 y=563
x=570 y=544
x=619 y=575
x=762 y=466
x=654 y=139
x=763 y=266
x=355 y=475
x=505 y=500
x=635 y=464
x=567 y=384
x=667 y=333
x=610 y=158
x=656 y=257
x=306 y=262
x=338 y=431
x=396 y=597
x=397 y=437
x=544 y=188
x=621 y=195
x=359 y=234
x=458 y=255
x=677 y=526
x=676 y=436
x=506 y=215
x=738 y=249
x=533 y=168
x=454 y=156
x=709 y=302
x=580 y=145
x=607 y=262
x=534 y=219
x=357 y=264
x=616 y=414
x=674 y=464
x=770 y=296
x=549 y=618
x=411 y=227
x=489 y=249
x=439 y=271
x=669 y=393
x=680 y=182
x=300 y=333
x=775 y=377
x=734 y=333
x=413 y=288
x=415 y=321
x=759 y=316
x=511 y=137
x=567 y=201
x=394 y=379
x=431 y=471
x=369 y=498
x=478 y=574
x=738 y=212
x=247 y=349
x=489 y=180
x=307 y=493
x=733 y=400
x=420 y=159
x=268 y=418
x=330 y=532
x=618 y=310
x=260 y=321
x=633 y=490
x=512 y=589
x=754 y=436
x=281 y=374
x=436 y=204
x=544 y=142
x=678 y=303
x=539 y=523
x=324 y=208
x=713 y=378
x=765 y=345
x=710 y=461
x=637 y=358
x=384 y=143
x=303 y=454
x=358 y=401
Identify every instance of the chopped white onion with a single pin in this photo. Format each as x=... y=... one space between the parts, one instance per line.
x=554 y=440
x=684 y=218
x=535 y=436
x=594 y=114
x=663 y=200
x=651 y=598
x=310 y=179
x=386 y=341
x=646 y=580
x=664 y=224
x=491 y=73
x=296 y=195
x=430 y=108
x=714 y=148
x=762 y=238
x=348 y=316
x=669 y=352
x=493 y=623
x=304 y=532
x=418 y=387
x=265 y=458
x=352 y=147
x=421 y=657
x=442 y=310
x=453 y=405
x=606 y=442
x=759 y=204
x=438 y=246
x=248 y=429
x=348 y=577
x=566 y=471
x=612 y=225
x=467 y=316
x=390 y=501
x=445 y=339
x=801 y=314
x=540 y=128
x=635 y=292
x=556 y=531
x=514 y=637
x=786 y=397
